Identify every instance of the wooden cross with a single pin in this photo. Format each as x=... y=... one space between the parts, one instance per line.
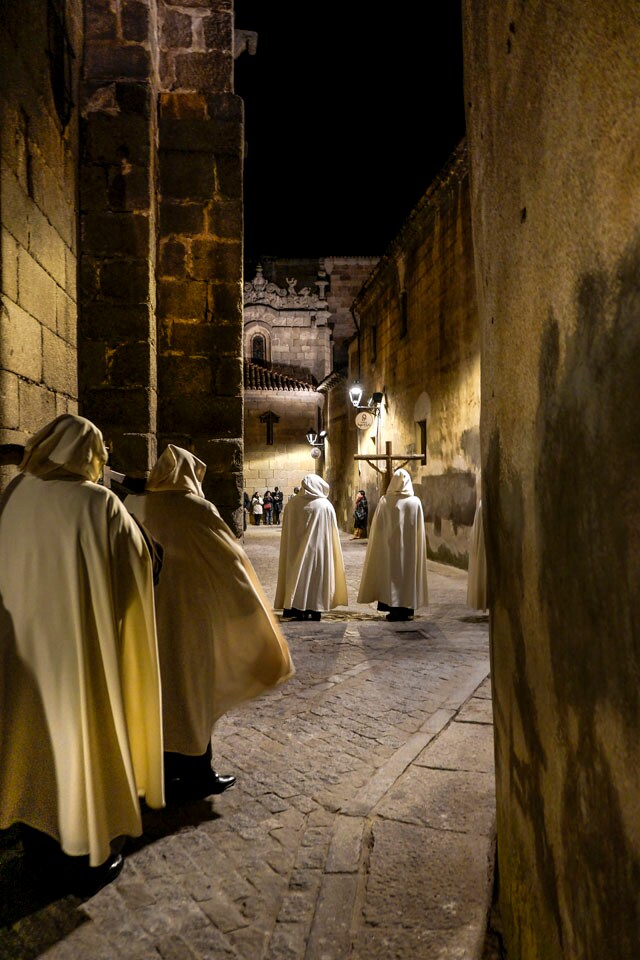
x=269 y=418
x=389 y=458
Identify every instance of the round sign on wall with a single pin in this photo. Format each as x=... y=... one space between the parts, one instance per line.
x=316 y=452
x=364 y=420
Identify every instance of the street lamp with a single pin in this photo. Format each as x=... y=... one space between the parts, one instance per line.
x=316 y=439
x=355 y=395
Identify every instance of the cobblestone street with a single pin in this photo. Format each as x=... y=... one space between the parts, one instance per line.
x=361 y=824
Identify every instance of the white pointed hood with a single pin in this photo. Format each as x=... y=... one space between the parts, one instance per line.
x=177 y=471
x=401 y=485
x=69 y=444
x=315 y=486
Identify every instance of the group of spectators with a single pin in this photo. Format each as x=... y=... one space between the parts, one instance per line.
x=266 y=509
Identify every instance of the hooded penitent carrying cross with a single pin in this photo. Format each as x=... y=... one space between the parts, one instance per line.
x=311 y=575
x=218 y=639
x=80 y=719
x=395 y=567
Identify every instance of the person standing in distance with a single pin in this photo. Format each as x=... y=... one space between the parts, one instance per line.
x=395 y=566
x=311 y=575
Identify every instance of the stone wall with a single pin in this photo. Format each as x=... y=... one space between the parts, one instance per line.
x=345 y=276
x=419 y=345
x=200 y=244
x=156 y=163
x=118 y=225
x=38 y=252
x=284 y=463
x=552 y=92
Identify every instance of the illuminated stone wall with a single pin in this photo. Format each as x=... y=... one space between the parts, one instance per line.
x=289 y=458
x=552 y=93
x=38 y=246
x=419 y=344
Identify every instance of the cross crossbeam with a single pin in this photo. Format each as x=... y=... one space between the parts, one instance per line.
x=389 y=458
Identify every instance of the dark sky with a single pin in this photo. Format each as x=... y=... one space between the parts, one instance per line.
x=350 y=111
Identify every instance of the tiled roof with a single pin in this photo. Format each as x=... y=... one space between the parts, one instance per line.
x=262 y=378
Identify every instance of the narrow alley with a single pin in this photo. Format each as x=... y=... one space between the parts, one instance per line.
x=361 y=825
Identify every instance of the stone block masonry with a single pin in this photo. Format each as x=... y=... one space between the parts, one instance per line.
x=200 y=246
x=38 y=243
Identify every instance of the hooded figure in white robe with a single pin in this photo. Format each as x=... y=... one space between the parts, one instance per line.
x=477 y=579
x=80 y=716
x=218 y=638
x=395 y=567
x=311 y=575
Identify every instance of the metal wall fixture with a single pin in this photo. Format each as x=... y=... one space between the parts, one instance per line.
x=355 y=396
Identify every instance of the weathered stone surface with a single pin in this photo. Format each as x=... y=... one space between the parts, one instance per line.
x=218 y=31
x=20 y=341
x=186 y=177
x=100 y=22
x=113 y=62
x=116 y=321
x=201 y=71
x=206 y=338
x=176 y=29
x=36 y=289
x=9 y=402
x=450 y=870
x=172 y=261
x=220 y=135
x=229 y=177
x=129 y=188
x=111 y=234
x=461 y=748
x=477 y=711
x=181 y=105
x=126 y=281
x=206 y=415
x=215 y=260
x=135 y=20
x=135 y=407
x=462 y=801
x=59 y=364
x=134 y=97
x=179 y=218
x=226 y=300
x=182 y=299
x=224 y=219
x=185 y=375
x=113 y=139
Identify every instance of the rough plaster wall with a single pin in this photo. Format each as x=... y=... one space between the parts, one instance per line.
x=431 y=372
x=38 y=252
x=289 y=458
x=552 y=93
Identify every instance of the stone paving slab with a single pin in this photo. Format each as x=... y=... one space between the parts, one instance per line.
x=360 y=826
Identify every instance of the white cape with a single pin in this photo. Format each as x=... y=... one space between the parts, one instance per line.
x=218 y=639
x=477 y=580
x=80 y=718
x=395 y=567
x=311 y=569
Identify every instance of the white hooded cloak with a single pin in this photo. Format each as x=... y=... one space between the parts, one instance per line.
x=477 y=579
x=218 y=639
x=311 y=569
x=395 y=566
x=80 y=717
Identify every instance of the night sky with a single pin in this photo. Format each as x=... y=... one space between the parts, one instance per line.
x=348 y=117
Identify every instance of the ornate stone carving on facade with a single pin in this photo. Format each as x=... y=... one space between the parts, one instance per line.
x=244 y=40
x=260 y=291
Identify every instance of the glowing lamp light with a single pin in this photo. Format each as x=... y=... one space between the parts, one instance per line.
x=355 y=393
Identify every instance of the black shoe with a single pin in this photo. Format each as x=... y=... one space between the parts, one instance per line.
x=217 y=783
x=312 y=614
x=84 y=881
